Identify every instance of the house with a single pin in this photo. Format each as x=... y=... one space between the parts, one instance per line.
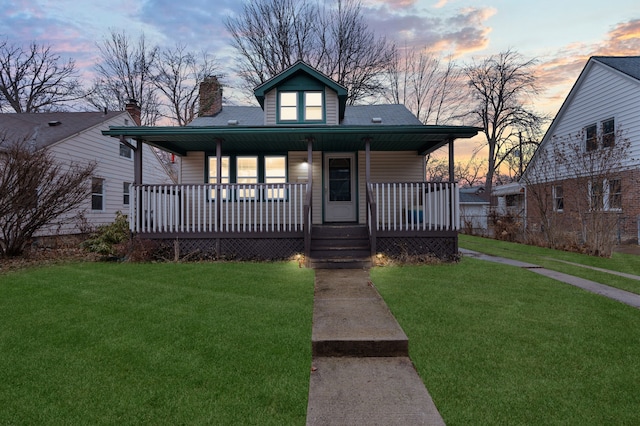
x=277 y=179
x=76 y=137
x=474 y=207
x=588 y=163
x=510 y=199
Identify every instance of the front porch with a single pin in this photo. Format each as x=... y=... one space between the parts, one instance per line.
x=274 y=221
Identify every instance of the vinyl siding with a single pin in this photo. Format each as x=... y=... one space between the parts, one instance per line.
x=270 y=106
x=331 y=111
x=91 y=146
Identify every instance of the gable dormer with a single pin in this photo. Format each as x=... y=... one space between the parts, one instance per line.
x=301 y=95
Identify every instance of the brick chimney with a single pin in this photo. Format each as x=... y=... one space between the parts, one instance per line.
x=133 y=108
x=210 y=97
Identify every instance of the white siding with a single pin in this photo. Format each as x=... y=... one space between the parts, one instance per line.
x=193 y=168
x=602 y=93
x=91 y=146
x=331 y=100
x=270 y=106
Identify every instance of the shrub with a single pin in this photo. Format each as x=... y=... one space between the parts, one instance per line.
x=108 y=239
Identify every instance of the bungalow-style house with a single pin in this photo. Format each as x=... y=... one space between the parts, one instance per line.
x=303 y=172
x=589 y=159
x=76 y=137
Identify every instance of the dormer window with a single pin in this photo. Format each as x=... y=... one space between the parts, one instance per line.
x=301 y=106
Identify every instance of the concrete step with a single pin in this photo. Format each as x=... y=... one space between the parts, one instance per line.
x=351 y=319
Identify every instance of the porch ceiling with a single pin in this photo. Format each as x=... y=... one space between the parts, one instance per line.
x=180 y=140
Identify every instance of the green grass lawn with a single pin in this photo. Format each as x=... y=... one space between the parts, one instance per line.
x=496 y=344
x=553 y=259
x=95 y=343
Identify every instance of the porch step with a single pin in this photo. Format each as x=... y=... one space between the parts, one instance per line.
x=340 y=246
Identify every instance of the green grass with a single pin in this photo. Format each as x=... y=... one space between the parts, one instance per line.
x=94 y=343
x=498 y=345
x=549 y=259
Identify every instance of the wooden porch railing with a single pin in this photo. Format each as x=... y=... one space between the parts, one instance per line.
x=372 y=219
x=224 y=208
x=415 y=206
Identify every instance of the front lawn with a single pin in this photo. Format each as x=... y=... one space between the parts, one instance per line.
x=495 y=344
x=95 y=343
x=557 y=260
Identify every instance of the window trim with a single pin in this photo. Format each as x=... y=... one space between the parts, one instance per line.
x=233 y=174
x=95 y=195
x=301 y=107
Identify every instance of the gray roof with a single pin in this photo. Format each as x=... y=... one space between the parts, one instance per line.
x=361 y=115
x=474 y=195
x=37 y=125
x=629 y=65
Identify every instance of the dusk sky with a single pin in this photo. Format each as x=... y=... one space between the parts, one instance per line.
x=562 y=34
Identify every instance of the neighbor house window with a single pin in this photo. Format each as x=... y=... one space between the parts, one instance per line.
x=596 y=195
x=126 y=195
x=592 y=137
x=301 y=107
x=558 y=198
x=275 y=171
x=213 y=177
x=608 y=133
x=614 y=194
x=97 y=194
x=125 y=151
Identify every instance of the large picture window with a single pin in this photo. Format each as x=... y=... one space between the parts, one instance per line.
x=251 y=169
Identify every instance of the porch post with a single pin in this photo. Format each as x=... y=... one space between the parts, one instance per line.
x=451 y=183
x=310 y=160
x=367 y=156
x=218 y=191
x=137 y=164
x=451 y=167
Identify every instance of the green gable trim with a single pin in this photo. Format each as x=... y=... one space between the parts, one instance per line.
x=296 y=74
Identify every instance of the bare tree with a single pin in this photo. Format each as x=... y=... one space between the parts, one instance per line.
x=35 y=191
x=577 y=192
x=468 y=173
x=177 y=75
x=271 y=35
x=35 y=79
x=124 y=73
x=430 y=88
x=501 y=90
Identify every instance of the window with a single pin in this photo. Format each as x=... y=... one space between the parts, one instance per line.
x=313 y=106
x=558 y=198
x=247 y=172
x=125 y=151
x=289 y=106
x=596 y=195
x=301 y=107
x=614 y=201
x=252 y=169
x=126 y=187
x=608 y=133
x=97 y=194
x=592 y=137
x=275 y=171
x=213 y=177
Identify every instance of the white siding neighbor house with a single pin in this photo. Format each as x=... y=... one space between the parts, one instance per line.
x=298 y=173
x=76 y=137
x=589 y=159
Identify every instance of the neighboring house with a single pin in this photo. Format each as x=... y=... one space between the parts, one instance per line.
x=76 y=137
x=474 y=207
x=273 y=180
x=510 y=199
x=578 y=168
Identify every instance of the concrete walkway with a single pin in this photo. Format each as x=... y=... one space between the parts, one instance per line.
x=361 y=373
x=626 y=297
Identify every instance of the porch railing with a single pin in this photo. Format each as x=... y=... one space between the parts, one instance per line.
x=416 y=206
x=224 y=208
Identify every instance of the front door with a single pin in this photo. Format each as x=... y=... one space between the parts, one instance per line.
x=340 y=199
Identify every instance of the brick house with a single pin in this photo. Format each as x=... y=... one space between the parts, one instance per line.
x=588 y=163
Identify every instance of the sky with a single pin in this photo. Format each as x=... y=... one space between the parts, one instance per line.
x=560 y=34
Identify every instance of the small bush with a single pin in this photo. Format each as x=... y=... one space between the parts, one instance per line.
x=108 y=239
